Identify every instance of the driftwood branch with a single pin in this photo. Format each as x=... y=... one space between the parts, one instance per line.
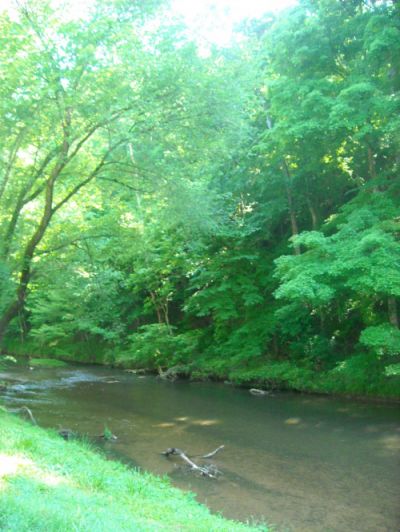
x=26 y=410
x=171 y=374
x=213 y=453
x=257 y=391
x=207 y=471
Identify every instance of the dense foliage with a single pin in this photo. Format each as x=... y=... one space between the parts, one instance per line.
x=234 y=215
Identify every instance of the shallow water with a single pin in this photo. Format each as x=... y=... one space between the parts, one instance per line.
x=304 y=463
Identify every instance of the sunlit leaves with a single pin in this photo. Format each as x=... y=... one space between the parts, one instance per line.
x=246 y=207
x=382 y=339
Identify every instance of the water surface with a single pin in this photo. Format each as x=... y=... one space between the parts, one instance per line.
x=304 y=463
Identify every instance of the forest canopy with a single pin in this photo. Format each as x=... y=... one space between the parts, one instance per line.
x=234 y=214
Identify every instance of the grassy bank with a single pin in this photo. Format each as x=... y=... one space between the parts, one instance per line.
x=361 y=375
x=353 y=379
x=53 y=485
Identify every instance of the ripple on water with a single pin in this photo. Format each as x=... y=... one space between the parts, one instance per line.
x=63 y=381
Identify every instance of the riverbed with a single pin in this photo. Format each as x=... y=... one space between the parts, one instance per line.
x=303 y=463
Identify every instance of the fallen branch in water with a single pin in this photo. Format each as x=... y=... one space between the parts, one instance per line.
x=213 y=453
x=202 y=470
x=207 y=471
x=169 y=375
x=256 y=391
x=27 y=411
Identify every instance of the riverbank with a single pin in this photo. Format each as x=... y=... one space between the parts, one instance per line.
x=49 y=484
x=354 y=378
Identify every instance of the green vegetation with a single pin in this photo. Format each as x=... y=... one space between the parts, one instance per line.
x=49 y=484
x=233 y=215
x=47 y=362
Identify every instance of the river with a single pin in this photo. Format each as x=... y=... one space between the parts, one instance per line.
x=303 y=463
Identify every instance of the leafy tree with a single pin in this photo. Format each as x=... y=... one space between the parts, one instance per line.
x=236 y=214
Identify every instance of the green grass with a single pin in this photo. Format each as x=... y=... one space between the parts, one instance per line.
x=52 y=485
x=47 y=363
x=91 y=352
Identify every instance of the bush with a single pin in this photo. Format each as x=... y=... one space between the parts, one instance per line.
x=382 y=339
x=156 y=345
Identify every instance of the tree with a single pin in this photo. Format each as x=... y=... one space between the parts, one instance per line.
x=236 y=212
x=99 y=110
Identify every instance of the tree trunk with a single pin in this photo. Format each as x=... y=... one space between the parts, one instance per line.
x=17 y=306
x=313 y=214
x=371 y=164
x=166 y=315
x=12 y=311
x=292 y=212
x=22 y=200
x=392 y=309
x=275 y=347
x=156 y=307
x=11 y=227
x=64 y=157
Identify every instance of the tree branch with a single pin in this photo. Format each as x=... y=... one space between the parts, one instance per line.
x=13 y=155
x=87 y=180
x=71 y=242
x=120 y=183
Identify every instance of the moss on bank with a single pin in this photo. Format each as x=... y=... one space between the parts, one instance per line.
x=53 y=485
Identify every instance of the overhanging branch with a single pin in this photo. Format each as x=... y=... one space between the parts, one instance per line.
x=72 y=242
x=89 y=178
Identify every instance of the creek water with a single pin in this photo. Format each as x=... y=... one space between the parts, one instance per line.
x=303 y=463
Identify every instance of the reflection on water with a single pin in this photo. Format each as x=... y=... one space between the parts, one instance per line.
x=391 y=443
x=304 y=463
